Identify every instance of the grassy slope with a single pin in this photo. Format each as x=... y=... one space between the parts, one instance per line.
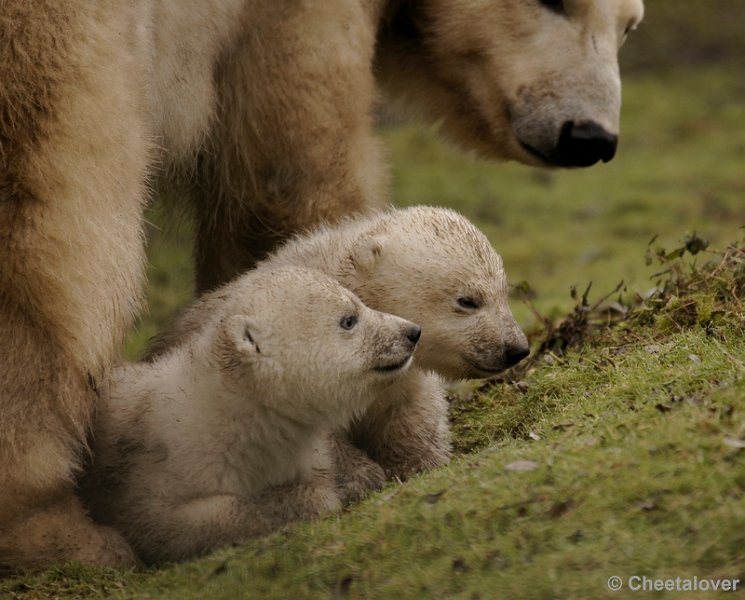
x=636 y=469
x=636 y=472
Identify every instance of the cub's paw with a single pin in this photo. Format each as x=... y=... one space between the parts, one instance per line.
x=355 y=484
x=318 y=501
x=404 y=465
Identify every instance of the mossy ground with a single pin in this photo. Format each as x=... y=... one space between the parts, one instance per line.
x=615 y=451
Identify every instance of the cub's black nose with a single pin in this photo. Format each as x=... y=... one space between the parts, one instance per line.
x=514 y=354
x=414 y=333
x=583 y=144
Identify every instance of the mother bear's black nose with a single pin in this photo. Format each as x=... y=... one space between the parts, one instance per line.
x=585 y=143
x=514 y=354
x=414 y=333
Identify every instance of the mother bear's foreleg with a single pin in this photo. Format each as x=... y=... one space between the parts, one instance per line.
x=74 y=156
x=292 y=142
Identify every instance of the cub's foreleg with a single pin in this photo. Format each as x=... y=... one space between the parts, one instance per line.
x=174 y=532
x=356 y=474
x=407 y=431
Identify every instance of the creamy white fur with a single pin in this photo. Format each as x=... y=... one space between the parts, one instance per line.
x=226 y=437
x=415 y=263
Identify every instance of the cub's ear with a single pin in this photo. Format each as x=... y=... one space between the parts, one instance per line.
x=367 y=252
x=240 y=333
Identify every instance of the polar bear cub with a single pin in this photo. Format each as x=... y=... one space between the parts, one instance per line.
x=433 y=266
x=225 y=437
x=429 y=265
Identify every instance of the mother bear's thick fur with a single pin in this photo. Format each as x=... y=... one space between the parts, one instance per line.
x=261 y=114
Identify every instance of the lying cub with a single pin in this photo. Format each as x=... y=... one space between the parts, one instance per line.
x=225 y=436
x=426 y=264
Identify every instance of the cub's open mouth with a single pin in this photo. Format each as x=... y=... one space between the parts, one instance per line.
x=392 y=368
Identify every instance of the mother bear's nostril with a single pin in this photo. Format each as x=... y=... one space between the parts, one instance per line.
x=414 y=333
x=585 y=143
x=514 y=354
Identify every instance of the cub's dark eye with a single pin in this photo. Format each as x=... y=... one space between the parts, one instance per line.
x=554 y=5
x=468 y=303
x=348 y=322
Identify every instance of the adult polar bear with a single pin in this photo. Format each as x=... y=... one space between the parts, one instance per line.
x=261 y=112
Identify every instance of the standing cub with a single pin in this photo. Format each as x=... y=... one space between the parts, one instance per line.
x=225 y=437
x=429 y=265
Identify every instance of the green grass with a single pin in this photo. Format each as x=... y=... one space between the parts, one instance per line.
x=632 y=433
x=169 y=274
